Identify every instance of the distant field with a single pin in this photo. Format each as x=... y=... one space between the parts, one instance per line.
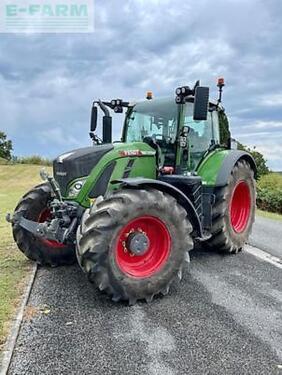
x=15 y=180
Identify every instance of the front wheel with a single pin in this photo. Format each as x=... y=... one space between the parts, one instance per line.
x=233 y=213
x=134 y=243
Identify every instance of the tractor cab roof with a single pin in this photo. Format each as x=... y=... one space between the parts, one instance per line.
x=168 y=100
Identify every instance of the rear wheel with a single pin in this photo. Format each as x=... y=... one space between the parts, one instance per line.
x=134 y=243
x=34 y=206
x=234 y=210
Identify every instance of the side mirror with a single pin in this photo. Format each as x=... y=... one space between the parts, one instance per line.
x=201 y=103
x=94 y=118
x=107 y=129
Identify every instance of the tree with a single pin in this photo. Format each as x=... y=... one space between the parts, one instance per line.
x=260 y=160
x=6 y=147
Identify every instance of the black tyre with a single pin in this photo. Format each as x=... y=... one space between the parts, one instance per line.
x=234 y=210
x=34 y=206
x=134 y=243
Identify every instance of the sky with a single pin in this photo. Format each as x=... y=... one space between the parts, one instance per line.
x=48 y=81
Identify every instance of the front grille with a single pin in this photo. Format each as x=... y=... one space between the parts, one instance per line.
x=76 y=164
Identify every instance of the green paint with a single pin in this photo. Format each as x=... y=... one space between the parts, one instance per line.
x=144 y=166
x=210 y=166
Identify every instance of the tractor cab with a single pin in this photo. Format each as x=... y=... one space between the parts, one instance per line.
x=172 y=129
x=181 y=129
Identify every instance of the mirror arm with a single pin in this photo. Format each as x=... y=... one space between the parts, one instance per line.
x=104 y=108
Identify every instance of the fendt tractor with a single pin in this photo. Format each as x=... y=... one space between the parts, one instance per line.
x=131 y=211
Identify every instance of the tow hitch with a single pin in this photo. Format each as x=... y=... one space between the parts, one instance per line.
x=61 y=227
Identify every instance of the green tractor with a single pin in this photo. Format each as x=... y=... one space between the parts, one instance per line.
x=131 y=211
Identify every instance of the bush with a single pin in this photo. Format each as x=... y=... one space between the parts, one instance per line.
x=261 y=162
x=6 y=147
x=34 y=159
x=269 y=193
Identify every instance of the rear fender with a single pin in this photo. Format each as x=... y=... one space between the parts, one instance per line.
x=216 y=168
x=229 y=163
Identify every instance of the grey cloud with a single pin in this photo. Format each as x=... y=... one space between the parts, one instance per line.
x=48 y=81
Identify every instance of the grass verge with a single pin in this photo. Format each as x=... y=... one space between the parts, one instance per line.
x=269 y=215
x=15 y=180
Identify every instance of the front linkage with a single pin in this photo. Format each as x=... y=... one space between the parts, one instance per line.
x=64 y=218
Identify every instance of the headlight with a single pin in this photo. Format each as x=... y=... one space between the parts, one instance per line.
x=75 y=188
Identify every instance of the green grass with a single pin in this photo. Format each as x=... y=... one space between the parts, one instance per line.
x=269 y=215
x=3 y=161
x=15 y=180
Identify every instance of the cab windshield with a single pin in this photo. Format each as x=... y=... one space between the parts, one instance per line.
x=156 y=119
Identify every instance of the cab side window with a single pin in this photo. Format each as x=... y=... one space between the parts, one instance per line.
x=202 y=134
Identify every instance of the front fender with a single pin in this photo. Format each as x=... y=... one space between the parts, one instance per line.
x=137 y=183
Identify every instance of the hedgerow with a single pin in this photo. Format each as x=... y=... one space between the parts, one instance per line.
x=269 y=193
x=33 y=159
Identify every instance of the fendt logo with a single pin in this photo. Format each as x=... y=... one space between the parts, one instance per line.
x=53 y=16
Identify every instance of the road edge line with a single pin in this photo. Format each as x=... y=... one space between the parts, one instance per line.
x=263 y=255
x=7 y=353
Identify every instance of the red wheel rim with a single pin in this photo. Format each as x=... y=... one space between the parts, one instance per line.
x=240 y=207
x=142 y=266
x=44 y=216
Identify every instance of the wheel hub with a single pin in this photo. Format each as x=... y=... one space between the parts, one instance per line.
x=138 y=243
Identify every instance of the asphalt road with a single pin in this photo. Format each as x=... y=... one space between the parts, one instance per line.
x=224 y=318
x=267 y=236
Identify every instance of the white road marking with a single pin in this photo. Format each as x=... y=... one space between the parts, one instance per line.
x=263 y=255
x=246 y=307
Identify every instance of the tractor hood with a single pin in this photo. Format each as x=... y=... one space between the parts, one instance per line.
x=77 y=163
